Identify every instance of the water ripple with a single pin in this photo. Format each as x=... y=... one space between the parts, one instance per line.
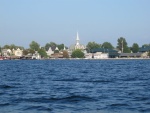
x=70 y=86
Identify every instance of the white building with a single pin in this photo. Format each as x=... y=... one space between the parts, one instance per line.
x=77 y=45
x=50 y=52
x=6 y=52
x=97 y=55
x=18 y=52
x=36 y=55
x=100 y=55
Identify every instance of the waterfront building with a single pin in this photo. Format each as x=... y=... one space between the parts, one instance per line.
x=6 y=52
x=18 y=52
x=97 y=55
x=110 y=52
x=145 y=51
x=131 y=55
x=50 y=52
x=36 y=55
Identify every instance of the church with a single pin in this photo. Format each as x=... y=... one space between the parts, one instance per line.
x=77 y=45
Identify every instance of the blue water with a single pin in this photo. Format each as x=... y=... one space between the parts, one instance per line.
x=70 y=86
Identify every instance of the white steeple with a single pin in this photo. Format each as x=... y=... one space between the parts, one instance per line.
x=77 y=39
x=64 y=47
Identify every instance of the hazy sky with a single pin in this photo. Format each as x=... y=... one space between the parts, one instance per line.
x=22 y=21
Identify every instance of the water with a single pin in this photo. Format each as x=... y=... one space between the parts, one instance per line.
x=70 y=86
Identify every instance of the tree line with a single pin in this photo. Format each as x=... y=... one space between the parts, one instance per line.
x=122 y=46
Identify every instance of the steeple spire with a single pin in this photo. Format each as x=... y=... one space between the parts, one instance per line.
x=77 y=39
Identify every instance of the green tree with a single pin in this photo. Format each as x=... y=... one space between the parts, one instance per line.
x=77 y=54
x=65 y=54
x=122 y=45
x=92 y=45
x=51 y=44
x=31 y=51
x=126 y=49
x=107 y=45
x=43 y=53
x=60 y=46
x=6 y=47
x=145 y=45
x=12 y=46
x=149 y=53
x=47 y=46
x=25 y=52
x=135 y=48
x=34 y=46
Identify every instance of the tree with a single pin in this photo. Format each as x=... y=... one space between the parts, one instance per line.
x=47 y=46
x=149 y=53
x=34 y=46
x=25 y=52
x=145 y=45
x=60 y=46
x=77 y=54
x=51 y=44
x=6 y=47
x=42 y=52
x=126 y=49
x=123 y=46
x=92 y=45
x=65 y=54
x=107 y=45
x=31 y=51
x=12 y=46
x=135 y=48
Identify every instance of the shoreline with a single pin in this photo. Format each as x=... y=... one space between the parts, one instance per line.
x=83 y=59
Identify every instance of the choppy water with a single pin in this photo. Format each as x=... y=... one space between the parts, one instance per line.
x=70 y=86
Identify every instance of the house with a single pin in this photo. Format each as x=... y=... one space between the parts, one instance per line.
x=100 y=55
x=18 y=52
x=144 y=49
x=97 y=55
x=131 y=55
x=36 y=55
x=57 y=55
x=88 y=55
x=52 y=50
x=111 y=52
x=6 y=52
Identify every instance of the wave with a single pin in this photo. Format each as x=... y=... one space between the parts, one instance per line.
x=118 y=105
x=72 y=79
x=4 y=104
x=41 y=108
x=6 y=86
x=68 y=99
x=98 y=81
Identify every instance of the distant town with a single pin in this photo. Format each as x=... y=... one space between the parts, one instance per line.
x=92 y=50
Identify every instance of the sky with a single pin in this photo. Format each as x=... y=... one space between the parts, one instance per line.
x=44 y=21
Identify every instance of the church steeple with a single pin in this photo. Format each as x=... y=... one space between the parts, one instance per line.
x=77 y=39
